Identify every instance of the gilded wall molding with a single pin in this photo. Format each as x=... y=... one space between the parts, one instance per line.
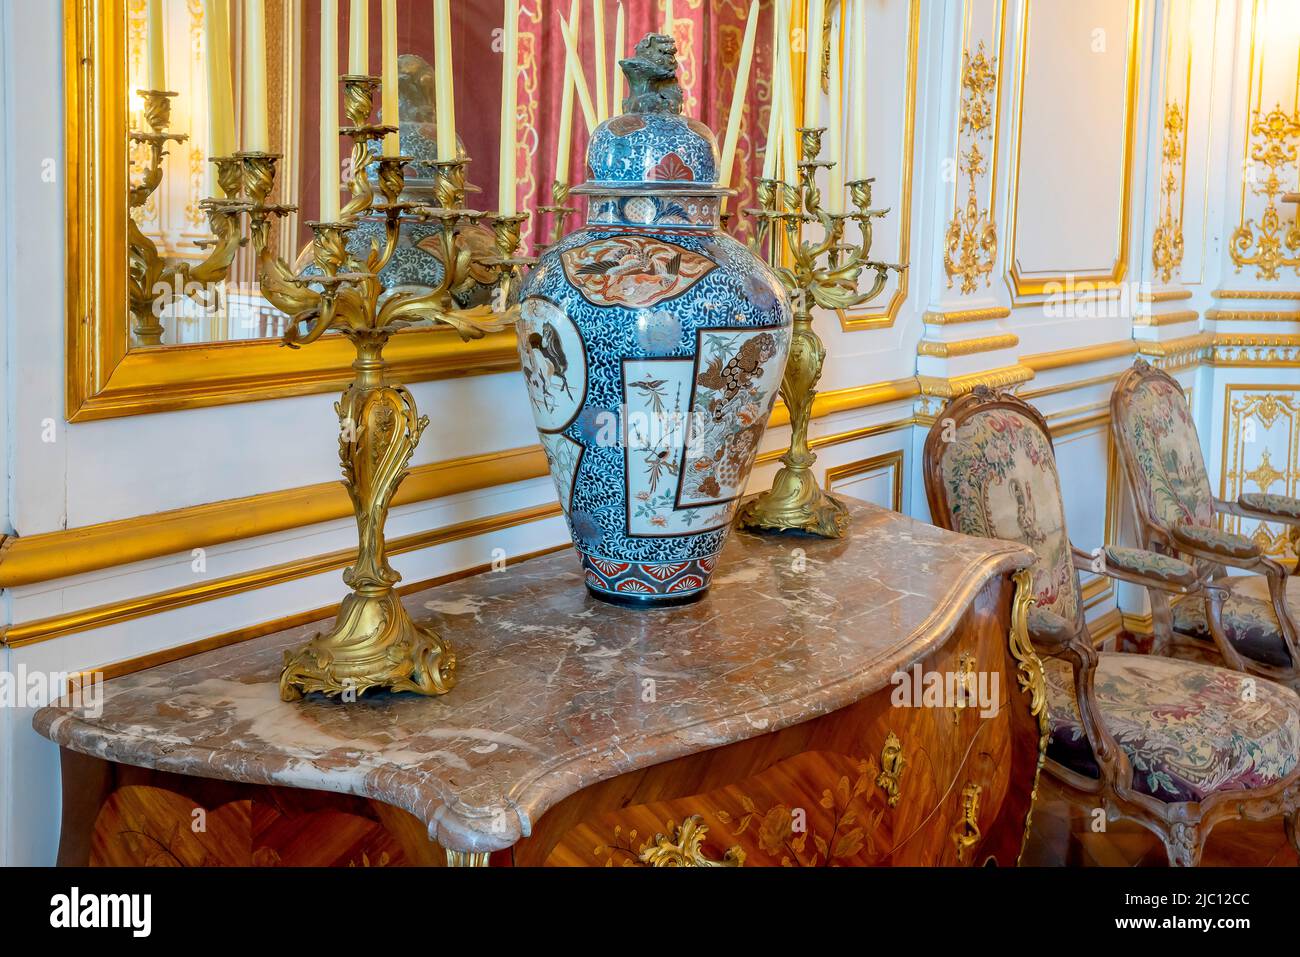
x=1256 y=293
x=1258 y=349
x=28 y=559
x=1272 y=246
x=1261 y=453
x=1168 y=318
x=1164 y=295
x=1061 y=358
x=949 y=318
x=893 y=461
x=130 y=609
x=1167 y=240
x=1252 y=315
x=939 y=349
x=948 y=388
x=971 y=240
x=1172 y=355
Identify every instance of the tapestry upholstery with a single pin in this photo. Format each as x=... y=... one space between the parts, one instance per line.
x=1248 y=623
x=1048 y=628
x=1139 y=561
x=1256 y=586
x=1215 y=540
x=1000 y=477
x=1282 y=505
x=1187 y=728
x=1158 y=432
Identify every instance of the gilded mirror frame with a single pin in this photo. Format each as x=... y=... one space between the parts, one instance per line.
x=105 y=378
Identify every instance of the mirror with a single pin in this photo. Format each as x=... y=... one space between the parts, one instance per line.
x=193 y=290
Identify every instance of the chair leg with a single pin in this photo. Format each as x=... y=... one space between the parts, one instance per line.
x=1292 y=824
x=1184 y=845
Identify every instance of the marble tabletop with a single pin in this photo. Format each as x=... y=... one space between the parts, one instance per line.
x=552 y=693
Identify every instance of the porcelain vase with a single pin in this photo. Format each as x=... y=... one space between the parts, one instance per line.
x=652 y=345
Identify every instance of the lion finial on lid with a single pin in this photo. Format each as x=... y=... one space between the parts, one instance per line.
x=652 y=76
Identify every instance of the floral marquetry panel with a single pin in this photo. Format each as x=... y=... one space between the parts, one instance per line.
x=1261 y=455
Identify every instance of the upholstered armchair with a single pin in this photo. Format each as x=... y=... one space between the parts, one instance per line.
x=1175 y=745
x=1177 y=516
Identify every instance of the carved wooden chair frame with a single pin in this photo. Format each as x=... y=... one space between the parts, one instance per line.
x=1154 y=535
x=1183 y=826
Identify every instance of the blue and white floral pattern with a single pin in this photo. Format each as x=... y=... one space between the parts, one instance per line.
x=653 y=344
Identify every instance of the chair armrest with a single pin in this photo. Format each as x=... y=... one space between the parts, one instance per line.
x=1049 y=632
x=1213 y=543
x=1150 y=568
x=1279 y=508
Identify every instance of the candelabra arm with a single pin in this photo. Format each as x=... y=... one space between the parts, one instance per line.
x=224 y=223
x=279 y=286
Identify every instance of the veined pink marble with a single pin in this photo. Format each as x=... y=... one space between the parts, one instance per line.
x=552 y=683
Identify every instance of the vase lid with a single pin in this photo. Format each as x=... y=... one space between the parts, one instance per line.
x=651 y=146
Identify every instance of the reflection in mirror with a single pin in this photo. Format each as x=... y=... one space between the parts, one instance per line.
x=193 y=277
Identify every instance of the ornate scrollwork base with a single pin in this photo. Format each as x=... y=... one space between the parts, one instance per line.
x=373 y=644
x=796 y=503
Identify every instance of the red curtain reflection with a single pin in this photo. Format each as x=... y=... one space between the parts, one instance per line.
x=708 y=33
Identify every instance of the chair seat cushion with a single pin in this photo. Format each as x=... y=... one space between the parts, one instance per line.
x=1283 y=506
x=1248 y=622
x=1188 y=729
x=1139 y=561
x=1215 y=540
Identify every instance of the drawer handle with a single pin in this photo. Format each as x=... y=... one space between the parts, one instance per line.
x=892 y=763
x=967 y=832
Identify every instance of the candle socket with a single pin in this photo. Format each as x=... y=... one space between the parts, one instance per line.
x=507 y=229
x=860 y=193
x=826 y=274
x=449 y=182
x=259 y=174
x=810 y=142
x=330 y=245
x=157 y=108
x=359 y=97
x=230 y=175
x=392 y=177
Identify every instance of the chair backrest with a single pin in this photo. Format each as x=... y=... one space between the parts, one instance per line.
x=1156 y=438
x=990 y=471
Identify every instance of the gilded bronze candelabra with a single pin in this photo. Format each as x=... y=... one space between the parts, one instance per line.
x=152 y=280
x=824 y=273
x=374 y=642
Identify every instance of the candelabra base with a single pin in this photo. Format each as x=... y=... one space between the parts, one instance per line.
x=796 y=503
x=374 y=644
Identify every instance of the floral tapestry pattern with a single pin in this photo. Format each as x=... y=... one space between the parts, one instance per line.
x=1001 y=480
x=1158 y=430
x=1187 y=729
x=1248 y=622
